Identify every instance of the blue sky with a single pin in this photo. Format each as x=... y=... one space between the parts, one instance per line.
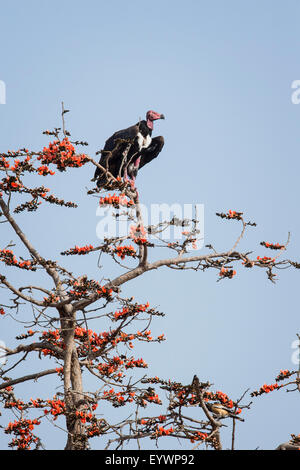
x=221 y=72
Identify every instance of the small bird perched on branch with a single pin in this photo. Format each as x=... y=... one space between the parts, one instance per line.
x=128 y=150
x=221 y=411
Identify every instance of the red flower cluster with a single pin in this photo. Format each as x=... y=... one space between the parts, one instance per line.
x=272 y=246
x=138 y=234
x=231 y=215
x=2 y=312
x=147 y=336
x=199 y=436
x=44 y=171
x=59 y=370
x=95 y=341
x=116 y=201
x=141 y=307
x=110 y=368
x=265 y=260
x=62 y=154
x=94 y=430
x=82 y=333
x=78 y=250
x=151 y=397
x=224 y=272
x=159 y=419
x=269 y=388
x=121 y=314
x=265 y=389
x=15 y=166
x=9 y=259
x=51 y=299
x=22 y=430
x=224 y=399
x=54 y=338
x=160 y=431
x=84 y=287
x=19 y=404
x=114 y=365
x=284 y=374
x=3 y=162
x=131 y=310
x=19 y=165
x=123 y=251
x=84 y=417
x=57 y=407
x=37 y=403
x=162 y=418
x=117 y=399
x=135 y=363
x=10 y=183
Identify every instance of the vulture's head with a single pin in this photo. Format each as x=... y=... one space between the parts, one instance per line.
x=153 y=116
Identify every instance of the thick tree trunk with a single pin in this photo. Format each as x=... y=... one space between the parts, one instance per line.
x=73 y=391
x=77 y=439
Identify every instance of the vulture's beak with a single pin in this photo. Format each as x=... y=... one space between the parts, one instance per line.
x=162 y=116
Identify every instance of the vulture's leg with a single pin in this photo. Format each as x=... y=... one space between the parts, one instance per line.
x=136 y=167
x=133 y=167
x=152 y=151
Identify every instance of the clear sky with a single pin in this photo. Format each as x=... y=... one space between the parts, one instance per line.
x=221 y=72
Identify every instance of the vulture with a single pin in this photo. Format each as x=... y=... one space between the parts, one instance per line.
x=128 y=150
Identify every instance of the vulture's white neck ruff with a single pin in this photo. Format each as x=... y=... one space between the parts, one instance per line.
x=143 y=142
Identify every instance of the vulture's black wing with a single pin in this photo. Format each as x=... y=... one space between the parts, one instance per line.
x=129 y=133
x=112 y=160
x=151 y=152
